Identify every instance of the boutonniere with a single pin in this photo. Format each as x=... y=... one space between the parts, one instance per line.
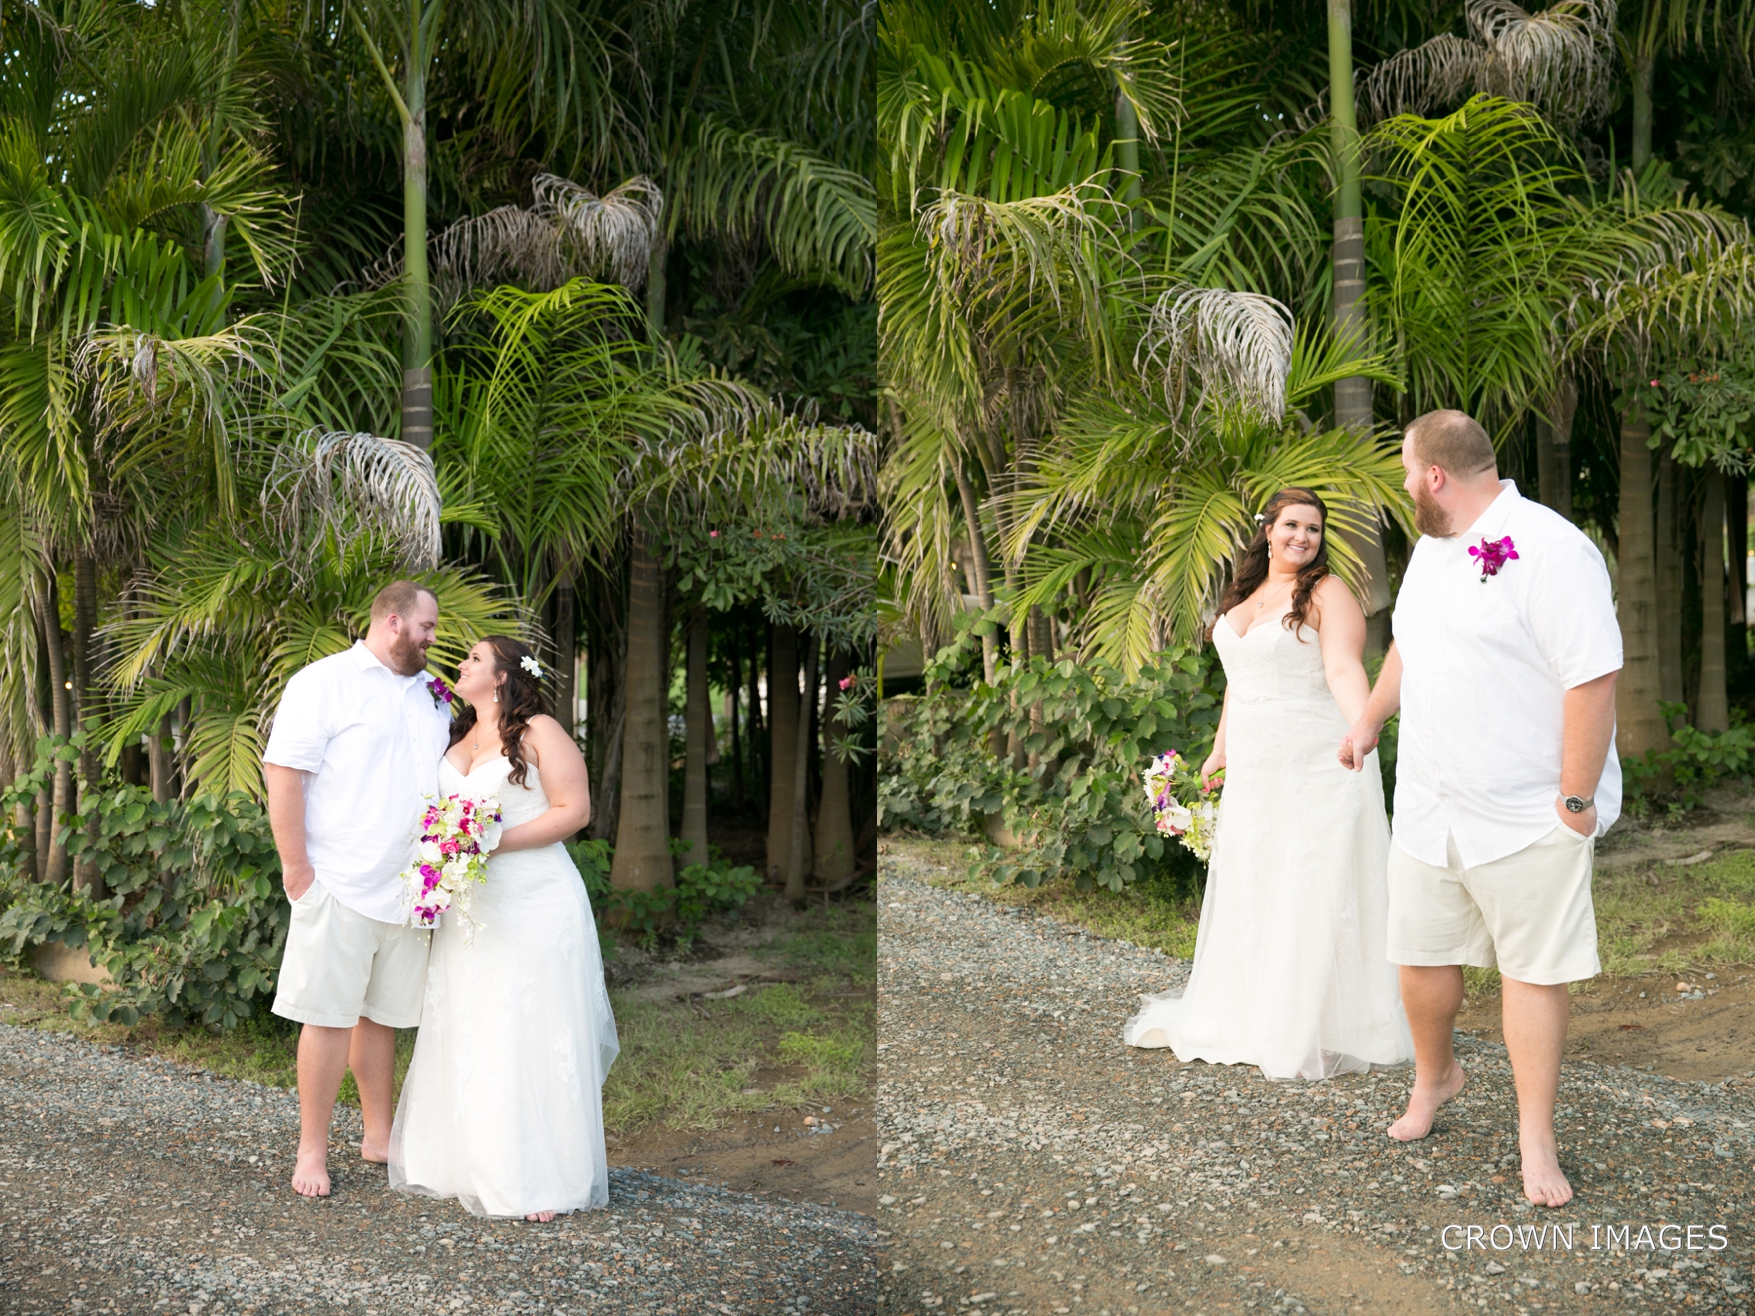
x=440 y=692
x=1493 y=554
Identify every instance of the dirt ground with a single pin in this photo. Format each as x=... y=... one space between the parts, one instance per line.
x=766 y=1152
x=1700 y=1025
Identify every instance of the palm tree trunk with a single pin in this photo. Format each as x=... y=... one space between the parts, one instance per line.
x=834 y=863
x=566 y=653
x=1667 y=556
x=983 y=570
x=1737 y=535
x=798 y=857
x=1643 y=62
x=758 y=765
x=731 y=700
x=60 y=803
x=1639 y=727
x=158 y=756
x=1353 y=402
x=417 y=342
x=85 y=708
x=1554 y=447
x=699 y=725
x=642 y=839
x=655 y=287
x=783 y=716
x=1714 y=712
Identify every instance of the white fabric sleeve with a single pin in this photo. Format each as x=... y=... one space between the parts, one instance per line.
x=301 y=728
x=1572 y=611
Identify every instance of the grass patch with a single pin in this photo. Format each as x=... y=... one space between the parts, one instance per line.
x=262 y=1049
x=772 y=1047
x=1672 y=919
x=695 y=1066
x=688 y=1065
x=1141 y=913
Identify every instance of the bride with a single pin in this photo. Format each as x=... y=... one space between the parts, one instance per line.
x=503 y=1104
x=1290 y=968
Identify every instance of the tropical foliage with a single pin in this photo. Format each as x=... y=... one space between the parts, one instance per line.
x=1113 y=321
x=514 y=300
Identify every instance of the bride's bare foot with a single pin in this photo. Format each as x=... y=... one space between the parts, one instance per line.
x=311 y=1172
x=1423 y=1104
x=378 y=1153
x=1543 y=1182
x=540 y=1217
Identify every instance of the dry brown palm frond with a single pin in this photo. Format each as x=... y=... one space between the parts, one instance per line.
x=1432 y=76
x=611 y=233
x=348 y=486
x=1561 y=59
x=568 y=232
x=135 y=374
x=1239 y=345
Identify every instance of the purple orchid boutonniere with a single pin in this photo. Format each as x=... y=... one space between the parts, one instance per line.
x=1493 y=554
x=440 y=692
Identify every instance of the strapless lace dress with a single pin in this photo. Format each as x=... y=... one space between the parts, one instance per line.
x=1290 y=966
x=502 y=1108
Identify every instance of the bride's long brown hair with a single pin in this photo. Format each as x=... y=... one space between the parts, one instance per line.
x=1252 y=567
x=521 y=698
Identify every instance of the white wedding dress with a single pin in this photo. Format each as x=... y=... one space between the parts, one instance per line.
x=1290 y=972
x=503 y=1104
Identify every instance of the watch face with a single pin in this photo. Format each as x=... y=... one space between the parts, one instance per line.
x=1575 y=804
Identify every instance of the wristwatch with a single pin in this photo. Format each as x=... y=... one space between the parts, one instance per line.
x=1576 y=804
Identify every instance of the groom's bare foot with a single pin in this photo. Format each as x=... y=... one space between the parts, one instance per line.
x=1423 y=1104
x=378 y=1153
x=311 y=1172
x=1543 y=1182
x=540 y=1217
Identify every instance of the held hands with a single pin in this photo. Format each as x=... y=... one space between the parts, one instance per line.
x=1360 y=740
x=1214 y=765
x=1584 y=823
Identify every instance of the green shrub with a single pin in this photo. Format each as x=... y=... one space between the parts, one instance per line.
x=193 y=921
x=1695 y=762
x=1081 y=810
x=676 y=912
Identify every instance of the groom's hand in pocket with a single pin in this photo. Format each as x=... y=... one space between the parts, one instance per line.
x=1585 y=823
x=298 y=880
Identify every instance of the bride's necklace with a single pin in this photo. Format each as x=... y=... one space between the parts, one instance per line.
x=1266 y=598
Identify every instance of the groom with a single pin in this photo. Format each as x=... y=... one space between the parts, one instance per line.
x=355 y=747
x=1503 y=668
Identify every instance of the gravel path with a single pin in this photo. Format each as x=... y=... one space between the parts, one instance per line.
x=136 y=1186
x=1030 y=1164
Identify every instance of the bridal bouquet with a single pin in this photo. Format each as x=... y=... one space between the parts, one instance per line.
x=1181 y=806
x=456 y=835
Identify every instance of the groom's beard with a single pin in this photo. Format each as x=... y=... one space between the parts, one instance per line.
x=409 y=654
x=1429 y=517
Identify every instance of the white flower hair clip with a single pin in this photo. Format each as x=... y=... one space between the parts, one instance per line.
x=530 y=665
x=1260 y=517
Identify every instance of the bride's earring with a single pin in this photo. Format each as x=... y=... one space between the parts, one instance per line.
x=496 y=694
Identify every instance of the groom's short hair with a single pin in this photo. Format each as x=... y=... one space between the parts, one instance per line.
x=398 y=599
x=1453 y=441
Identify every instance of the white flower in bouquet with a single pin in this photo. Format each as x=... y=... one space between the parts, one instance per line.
x=1181 y=805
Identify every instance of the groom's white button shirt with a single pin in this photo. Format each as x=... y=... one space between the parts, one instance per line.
x=372 y=740
x=1485 y=668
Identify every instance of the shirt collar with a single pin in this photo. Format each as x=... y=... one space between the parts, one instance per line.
x=368 y=660
x=1492 y=521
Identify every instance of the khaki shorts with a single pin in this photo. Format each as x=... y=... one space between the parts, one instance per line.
x=1529 y=914
x=341 y=966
